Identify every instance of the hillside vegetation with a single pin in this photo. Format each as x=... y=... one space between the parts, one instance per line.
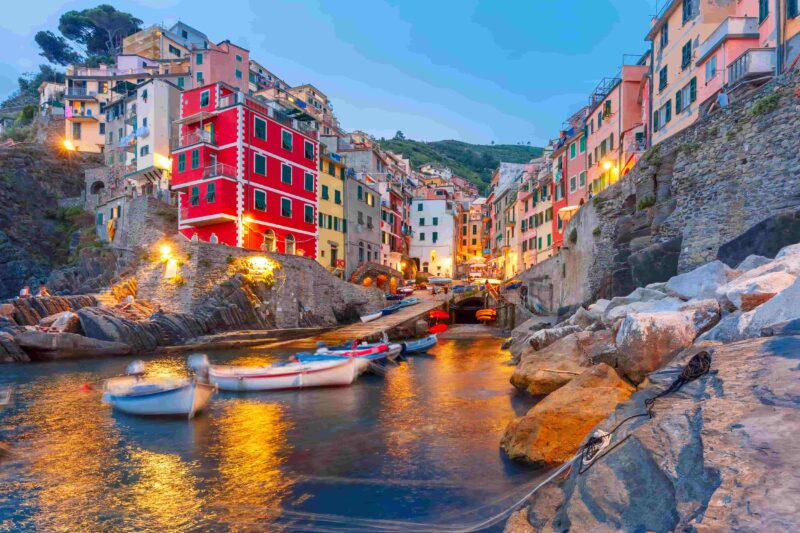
x=474 y=162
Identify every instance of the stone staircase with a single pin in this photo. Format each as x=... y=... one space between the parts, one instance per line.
x=105 y=298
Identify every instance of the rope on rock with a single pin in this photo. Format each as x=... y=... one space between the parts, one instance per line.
x=697 y=366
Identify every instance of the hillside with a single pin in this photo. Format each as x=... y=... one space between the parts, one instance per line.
x=475 y=162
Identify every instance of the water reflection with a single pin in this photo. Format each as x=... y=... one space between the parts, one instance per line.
x=421 y=443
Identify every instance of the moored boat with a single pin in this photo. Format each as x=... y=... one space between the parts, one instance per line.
x=391 y=309
x=409 y=301
x=373 y=316
x=286 y=375
x=362 y=362
x=156 y=396
x=420 y=345
x=394 y=297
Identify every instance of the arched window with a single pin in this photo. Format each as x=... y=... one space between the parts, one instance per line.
x=290 y=246
x=214 y=239
x=97 y=187
x=269 y=241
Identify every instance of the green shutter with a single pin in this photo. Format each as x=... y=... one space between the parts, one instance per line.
x=195 y=158
x=678 y=106
x=693 y=90
x=182 y=162
x=668 y=112
x=260 y=164
x=286 y=174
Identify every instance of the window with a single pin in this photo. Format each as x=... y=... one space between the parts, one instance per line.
x=582 y=179
x=180 y=82
x=435 y=221
x=308 y=151
x=690 y=9
x=664 y=35
x=195 y=158
x=573 y=150
x=360 y=192
x=369 y=222
x=419 y=207
x=238 y=74
x=286 y=174
x=422 y=236
x=286 y=140
x=260 y=129
x=792 y=8
x=549 y=239
x=198 y=58
x=370 y=199
x=607 y=109
x=194 y=198
x=260 y=164
x=422 y=222
x=590 y=160
x=360 y=217
x=435 y=236
x=199 y=77
x=259 y=200
x=99 y=219
x=686 y=96
x=76 y=130
x=286 y=207
x=662 y=79
x=325 y=195
x=582 y=145
x=763 y=10
x=289 y=247
x=144 y=150
x=308 y=181
x=611 y=142
x=205 y=97
x=211 y=192
x=573 y=184
x=474 y=242
x=337 y=197
x=308 y=214
x=238 y=58
x=174 y=51
x=686 y=55
x=474 y=229
x=711 y=69
x=102 y=126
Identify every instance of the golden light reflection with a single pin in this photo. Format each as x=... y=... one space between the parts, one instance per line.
x=401 y=414
x=68 y=145
x=252 y=448
x=165 y=496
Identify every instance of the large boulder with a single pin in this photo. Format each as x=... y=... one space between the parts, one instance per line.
x=552 y=431
x=783 y=307
x=542 y=372
x=702 y=282
x=65 y=321
x=647 y=341
x=752 y=261
x=658 y=262
x=612 y=314
x=721 y=454
x=546 y=337
x=42 y=345
x=10 y=352
x=770 y=283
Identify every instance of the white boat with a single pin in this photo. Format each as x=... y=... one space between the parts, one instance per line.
x=156 y=396
x=373 y=316
x=288 y=375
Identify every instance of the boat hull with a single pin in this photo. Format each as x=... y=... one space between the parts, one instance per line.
x=421 y=345
x=370 y=318
x=292 y=376
x=186 y=400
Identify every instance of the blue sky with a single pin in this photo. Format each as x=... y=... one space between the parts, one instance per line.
x=474 y=70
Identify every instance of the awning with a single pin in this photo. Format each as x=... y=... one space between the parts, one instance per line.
x=566 y=213
x=151 y=174
x=197 y=117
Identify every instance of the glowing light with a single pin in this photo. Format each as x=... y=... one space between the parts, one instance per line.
x=248 y=219
x=607 y=165
x=162 y=162
x=166 y=252
x=68 y=145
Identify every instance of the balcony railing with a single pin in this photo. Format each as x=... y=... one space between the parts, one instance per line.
x=80 y=92
x=753 y=63
x=195 y=137
x=731 y=26
x=219 y=169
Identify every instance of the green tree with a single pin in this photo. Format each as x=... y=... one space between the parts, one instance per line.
x=399 y=136
x=99 y=29
x=56 y=49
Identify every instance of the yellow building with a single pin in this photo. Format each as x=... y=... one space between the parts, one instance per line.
x=85 y=98
x=331 y=224
x=676 y=33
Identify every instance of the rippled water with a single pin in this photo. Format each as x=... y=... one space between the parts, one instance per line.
x=420 y=444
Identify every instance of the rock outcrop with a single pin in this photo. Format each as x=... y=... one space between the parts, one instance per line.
x=553 y=429
x=40 y=345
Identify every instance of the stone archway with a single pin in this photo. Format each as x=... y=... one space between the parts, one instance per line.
x=97 y=187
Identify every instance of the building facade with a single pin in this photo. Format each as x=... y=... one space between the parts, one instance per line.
x=433 y=240
x=246 y=172
x=331 y=218
x=363 y=215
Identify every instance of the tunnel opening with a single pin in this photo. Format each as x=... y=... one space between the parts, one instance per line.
x=464 y=311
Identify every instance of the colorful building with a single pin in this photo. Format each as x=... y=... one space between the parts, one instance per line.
x=433 y=241
x=85 y=98
x=331 y=221
x=246 y=172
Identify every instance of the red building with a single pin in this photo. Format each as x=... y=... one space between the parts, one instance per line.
x=246 y=172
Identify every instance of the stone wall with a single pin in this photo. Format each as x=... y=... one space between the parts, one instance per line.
x=684 y=201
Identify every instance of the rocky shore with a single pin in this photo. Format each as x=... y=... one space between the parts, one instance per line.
x=717 y=453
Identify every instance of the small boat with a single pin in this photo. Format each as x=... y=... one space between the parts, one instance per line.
x=394 y=297
x=420 y=345
x=409 y=301
x=337 y=372
x=391 y=351
x=513 y=284
x=439 y=280
x=406 y=290
x=156 y=396
x=373 y=316
x=391 y=309
x=5 y=397
x=362 y=362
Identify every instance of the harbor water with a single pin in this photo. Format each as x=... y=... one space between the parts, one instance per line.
x=419 y=445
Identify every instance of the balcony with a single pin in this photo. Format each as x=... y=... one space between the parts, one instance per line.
x=192 y=138
x=754 y=63
x=80 y=115
x=203 y=211
x=219 y=170
x=731 y=28
x=80 y=93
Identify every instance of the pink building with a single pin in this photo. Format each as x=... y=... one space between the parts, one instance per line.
x=223 y=62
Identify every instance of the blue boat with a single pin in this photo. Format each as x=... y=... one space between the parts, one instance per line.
x=409 y=301
x=391 y=309
x=420 y=345
x=363 y=362
x=391 y=297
